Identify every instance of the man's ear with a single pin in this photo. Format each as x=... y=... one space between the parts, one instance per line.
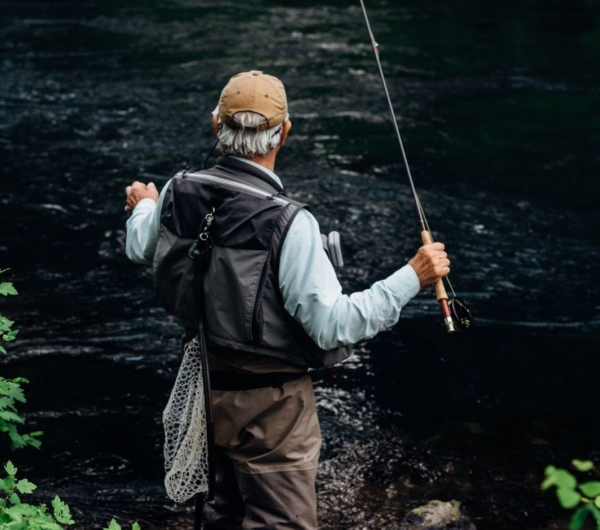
x=215 y=122
x=285 y=130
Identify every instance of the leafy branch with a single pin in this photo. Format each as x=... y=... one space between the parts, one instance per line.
x=571 y=494
x=11 y=392
x=18 y=515
x=7 y=334
x=15 y=514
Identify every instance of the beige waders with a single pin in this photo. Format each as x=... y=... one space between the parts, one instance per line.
x=267 y=443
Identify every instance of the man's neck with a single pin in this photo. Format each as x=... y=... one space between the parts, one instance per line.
x=267 y=161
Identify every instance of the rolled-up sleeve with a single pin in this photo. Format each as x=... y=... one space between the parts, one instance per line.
x=313 y=295
x=142 y=229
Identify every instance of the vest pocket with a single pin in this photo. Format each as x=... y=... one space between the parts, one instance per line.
x=233 y=288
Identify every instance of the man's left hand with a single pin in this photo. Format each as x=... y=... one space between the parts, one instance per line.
x=138 y=191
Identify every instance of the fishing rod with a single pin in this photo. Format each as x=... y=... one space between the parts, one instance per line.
x=457 y=316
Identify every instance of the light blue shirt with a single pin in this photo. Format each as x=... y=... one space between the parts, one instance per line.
x=311 y=292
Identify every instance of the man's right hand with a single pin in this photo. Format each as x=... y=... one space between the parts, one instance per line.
x=430 y=263
x=138 y=191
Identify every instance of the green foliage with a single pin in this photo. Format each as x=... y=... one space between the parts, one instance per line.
x=116 y=526
x=7 y=334
x=18 y=515
x=11 y=393
x=15 y=514
x=10 y=389
x=571 y=494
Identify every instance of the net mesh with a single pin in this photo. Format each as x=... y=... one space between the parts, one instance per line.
x=184 y=419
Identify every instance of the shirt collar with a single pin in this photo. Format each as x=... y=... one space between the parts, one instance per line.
x=268 y=172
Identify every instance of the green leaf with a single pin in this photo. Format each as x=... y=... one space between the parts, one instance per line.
x=595 y=512
x=14 y=499
x=590 y=489
x=12 y=389
x=50 y=526
x=579 y=518
x=11 y=416
x=16 y=440
x=567 y=497
x=6 y=402
x=24 y=486
x=10 y=336
x=113 y=526
x=10 y=468
x=2 y=350
x=5 y=323
x=565 y=480
x=135 y=526
x=61 y=511
x=9 y=484
x=15 y=512
x=6 y=288
x=550 y=470
x=583 y=465
x=31 y=441
x=550 y=481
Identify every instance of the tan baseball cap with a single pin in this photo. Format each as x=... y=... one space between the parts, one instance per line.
x=254 y=92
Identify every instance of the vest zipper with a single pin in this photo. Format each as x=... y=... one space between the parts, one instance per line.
x=245 y=187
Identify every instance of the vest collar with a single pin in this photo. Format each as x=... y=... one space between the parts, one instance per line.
x=251 y=168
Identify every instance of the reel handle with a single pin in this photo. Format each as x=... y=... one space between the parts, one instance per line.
x=440 y=291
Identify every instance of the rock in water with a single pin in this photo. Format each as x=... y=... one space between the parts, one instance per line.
x=437 y=515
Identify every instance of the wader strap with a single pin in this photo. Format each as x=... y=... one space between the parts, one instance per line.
x=201 y=258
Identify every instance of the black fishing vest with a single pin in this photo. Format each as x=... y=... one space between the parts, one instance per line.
x=244 y=308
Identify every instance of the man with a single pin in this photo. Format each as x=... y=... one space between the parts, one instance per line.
x=273 y=306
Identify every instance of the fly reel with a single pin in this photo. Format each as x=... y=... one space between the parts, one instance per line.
x=461 y=314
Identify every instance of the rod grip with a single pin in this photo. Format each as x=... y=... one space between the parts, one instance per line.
x=440 y=290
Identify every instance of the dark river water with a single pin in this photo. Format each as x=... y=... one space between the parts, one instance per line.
x=499 y=105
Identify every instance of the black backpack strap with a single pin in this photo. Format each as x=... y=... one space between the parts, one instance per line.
x=200 y=253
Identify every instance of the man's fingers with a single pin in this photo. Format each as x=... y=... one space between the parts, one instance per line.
x=139 y=191
x=137 y=186
x=431 y=263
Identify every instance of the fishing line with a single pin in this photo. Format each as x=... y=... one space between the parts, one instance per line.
x=457 y=315
x=393 y=115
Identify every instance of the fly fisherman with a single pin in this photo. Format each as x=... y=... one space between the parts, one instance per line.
x=273 y=306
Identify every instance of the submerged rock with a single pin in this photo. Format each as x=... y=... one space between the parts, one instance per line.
x=437 y=515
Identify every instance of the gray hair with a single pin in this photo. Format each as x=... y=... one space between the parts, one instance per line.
x=246 y=141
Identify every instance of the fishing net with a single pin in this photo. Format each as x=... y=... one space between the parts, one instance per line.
x=184 y=419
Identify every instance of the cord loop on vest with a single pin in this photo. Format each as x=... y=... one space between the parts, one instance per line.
x=204 y=235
